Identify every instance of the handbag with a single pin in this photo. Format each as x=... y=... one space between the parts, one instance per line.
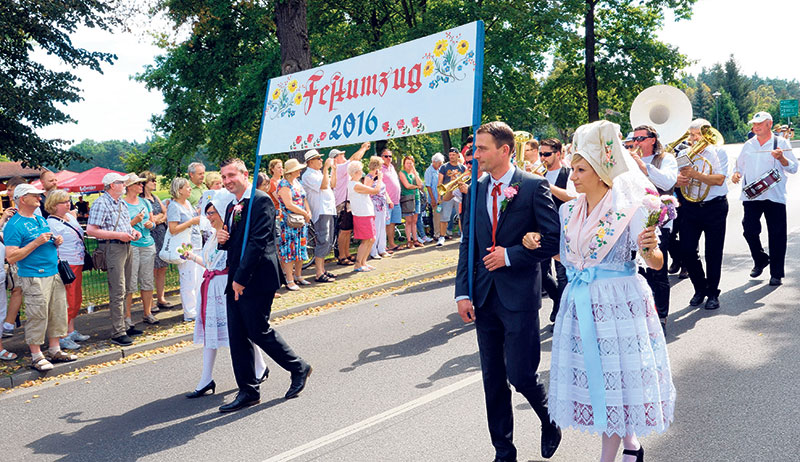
x=66 y=273
x=88 y=263
x=295 y=220
x=169 y=250
x=407 y=204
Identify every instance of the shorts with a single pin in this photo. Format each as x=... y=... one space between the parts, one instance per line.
x=364 y=228
x=323 y=229
x=141 y=269
x=45 y=308
x=344 y=220
x=394 y=216
x=12 y=279
x=447 y=210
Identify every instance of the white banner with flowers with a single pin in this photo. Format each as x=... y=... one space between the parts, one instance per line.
x=422 y=86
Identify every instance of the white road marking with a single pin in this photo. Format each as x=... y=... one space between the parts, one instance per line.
x=374 y=420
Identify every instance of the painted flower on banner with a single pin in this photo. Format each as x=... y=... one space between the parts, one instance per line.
x=385 y=126
x=276 y=93
x=298 y=140
x=449 y=60
x=401 y=123
x=310 y=137
x=322 y=136
x=428 y=69
x=292 y=87
x=298 y=98
x=414 y=121
x=440 y=47
x=283 y=98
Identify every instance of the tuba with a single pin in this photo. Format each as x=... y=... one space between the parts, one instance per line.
x=665 y=108
x=696 y=190
x=520 y=138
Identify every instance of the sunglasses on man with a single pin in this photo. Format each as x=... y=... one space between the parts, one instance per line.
x=641 y=138
x=546 y=153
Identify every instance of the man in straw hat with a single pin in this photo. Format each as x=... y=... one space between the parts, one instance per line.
x=504 y=304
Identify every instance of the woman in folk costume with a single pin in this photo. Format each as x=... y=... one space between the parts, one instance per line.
x=211 y=326
x=609 y=351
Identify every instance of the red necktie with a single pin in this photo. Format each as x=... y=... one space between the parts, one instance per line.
x=495 y=194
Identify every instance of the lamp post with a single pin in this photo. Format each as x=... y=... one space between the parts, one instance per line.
x=716 y=96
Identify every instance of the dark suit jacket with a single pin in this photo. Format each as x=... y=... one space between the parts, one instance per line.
x=532 y=209
x=258 y=270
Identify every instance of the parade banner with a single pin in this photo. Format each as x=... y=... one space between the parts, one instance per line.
x=422 y=86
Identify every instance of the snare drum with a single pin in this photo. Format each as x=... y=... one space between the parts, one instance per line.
x=763 y=184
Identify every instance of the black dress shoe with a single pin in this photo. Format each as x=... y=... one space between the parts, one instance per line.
x=298 y=383
x=198 y=393
x=684 y=274
x=263 y=377
x=775 y=281
x=712 y=303
x=551 y=438
x=241 y=402
x=639 y=454
x=553 y=316
x=758 y=269
x=674 y=268
x=132 y=331
x=697 y=299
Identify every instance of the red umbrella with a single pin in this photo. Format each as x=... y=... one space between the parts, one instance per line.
x=62 y=176
x=89 y=181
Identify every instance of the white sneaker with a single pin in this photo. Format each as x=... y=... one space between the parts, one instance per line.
x=427 y=239
x=440 y=242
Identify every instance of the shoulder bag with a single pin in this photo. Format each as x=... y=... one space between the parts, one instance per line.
x=88 y=263
x=169 y=249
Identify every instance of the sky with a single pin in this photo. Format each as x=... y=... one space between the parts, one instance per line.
x=116 y=107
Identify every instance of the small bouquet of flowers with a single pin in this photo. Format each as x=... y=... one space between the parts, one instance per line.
x=661 y=209
x=184 y=250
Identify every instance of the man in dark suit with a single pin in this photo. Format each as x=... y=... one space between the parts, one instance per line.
x=253 y=279
x=507 y=285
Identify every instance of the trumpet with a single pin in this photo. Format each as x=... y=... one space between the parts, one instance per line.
x=520 y=138
x=697 y=191
x=450 y=186
x=538 y=168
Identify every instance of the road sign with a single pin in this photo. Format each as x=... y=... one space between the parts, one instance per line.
x=789 y=108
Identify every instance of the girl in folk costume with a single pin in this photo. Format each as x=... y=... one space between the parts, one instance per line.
x=211 y=326
x=610 y=371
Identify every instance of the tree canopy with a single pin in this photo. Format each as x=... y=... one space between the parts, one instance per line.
x=30 y=92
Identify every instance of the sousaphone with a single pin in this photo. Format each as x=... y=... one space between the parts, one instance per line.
x=665 y=108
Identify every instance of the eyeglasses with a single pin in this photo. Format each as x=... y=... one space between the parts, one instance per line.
x=546 y=153
x=387 y=157
x=641 y=138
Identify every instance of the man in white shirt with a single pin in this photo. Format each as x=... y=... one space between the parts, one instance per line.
x=762 y=154
x=707 y=216
x=661 y=169
x=316 y=181
x=431 y=180
x=563 y=190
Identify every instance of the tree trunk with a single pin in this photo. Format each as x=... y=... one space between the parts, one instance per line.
x=292 y=31
x=465 y=132
x=593 y=104
x=446 y=143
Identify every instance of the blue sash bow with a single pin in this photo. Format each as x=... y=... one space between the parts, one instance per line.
x=579 y=293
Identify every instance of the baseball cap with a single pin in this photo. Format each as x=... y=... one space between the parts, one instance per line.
x=760 y=117
x=113 y=177
x=334 y=153
x=25 y=188
x=312 y=154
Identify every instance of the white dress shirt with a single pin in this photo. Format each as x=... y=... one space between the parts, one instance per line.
x=718 y=159
x=320 y=201
x=756 y=160
x=663 y=178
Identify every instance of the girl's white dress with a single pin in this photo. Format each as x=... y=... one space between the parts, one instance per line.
x=639 y=395
x=213 y=333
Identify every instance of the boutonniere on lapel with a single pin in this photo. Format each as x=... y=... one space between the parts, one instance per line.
x=237 y=212
x=509 y=192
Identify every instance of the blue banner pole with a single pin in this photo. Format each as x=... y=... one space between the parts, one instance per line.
x=476 y=122
x=255 y=174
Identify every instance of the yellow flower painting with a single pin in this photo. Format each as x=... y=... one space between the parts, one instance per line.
x=463 y=46
x=440 y=48
x=428 y=69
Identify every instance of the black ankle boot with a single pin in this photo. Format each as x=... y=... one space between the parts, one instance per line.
x=639 y=454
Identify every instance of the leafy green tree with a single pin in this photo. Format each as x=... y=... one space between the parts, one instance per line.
x=29 y=92
x=703 y=102
x=730 y=124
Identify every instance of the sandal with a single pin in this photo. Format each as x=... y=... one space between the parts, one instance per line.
x=6 y=355
x=324 y=278
x=302 y=282
x=362 y=269
x=41 y=365
x=292 y=286
x=61 y=357
x=330 y=275
x=344 y=262
x=393 y=249
x=352 y=258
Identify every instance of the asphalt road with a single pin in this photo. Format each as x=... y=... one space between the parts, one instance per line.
x=397 y=379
